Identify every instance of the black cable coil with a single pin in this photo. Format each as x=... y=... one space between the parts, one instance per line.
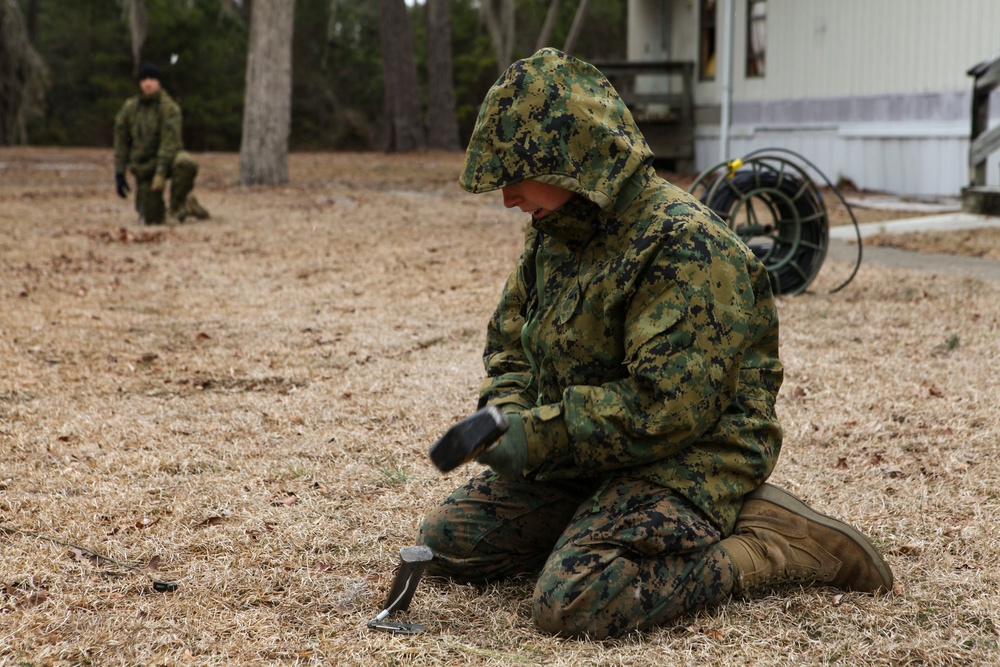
x=777 y=210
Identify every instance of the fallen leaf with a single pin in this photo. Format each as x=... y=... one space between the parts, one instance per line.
x=154 y=564
x=210 y=521
x=287 y=500
x=932 y=389
x=147 y=522
x=33 y=599
x=837 y=599
x=81 y=556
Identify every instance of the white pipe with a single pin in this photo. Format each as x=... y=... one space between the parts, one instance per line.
x=726 y=76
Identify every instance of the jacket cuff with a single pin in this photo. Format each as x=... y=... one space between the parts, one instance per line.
x=515 y=430
x=545 y=434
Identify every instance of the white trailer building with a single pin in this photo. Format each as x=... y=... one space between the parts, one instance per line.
x=873 y=91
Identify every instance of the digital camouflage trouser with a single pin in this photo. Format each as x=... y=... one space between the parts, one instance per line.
x=149 y=202
x=616 y=557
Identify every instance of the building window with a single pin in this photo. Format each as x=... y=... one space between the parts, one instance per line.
x=706 y=40
x=756 y=37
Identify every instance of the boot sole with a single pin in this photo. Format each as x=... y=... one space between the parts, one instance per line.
x=784 y=499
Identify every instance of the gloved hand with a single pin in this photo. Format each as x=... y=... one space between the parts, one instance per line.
x=159 y=182
x=509 y=456
x=121 y=186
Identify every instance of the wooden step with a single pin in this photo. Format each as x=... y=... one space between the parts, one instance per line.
x=984 y=200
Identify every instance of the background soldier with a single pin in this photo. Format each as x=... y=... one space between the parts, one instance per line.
x=148 y=143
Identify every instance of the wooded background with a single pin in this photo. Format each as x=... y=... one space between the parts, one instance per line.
x=76 y=62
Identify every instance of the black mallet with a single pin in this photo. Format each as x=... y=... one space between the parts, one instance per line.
x=468 y=438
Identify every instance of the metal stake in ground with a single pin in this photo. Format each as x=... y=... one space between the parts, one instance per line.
x=412 y=561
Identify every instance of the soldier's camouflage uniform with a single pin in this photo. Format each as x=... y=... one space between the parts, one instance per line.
x=147 y=140
x=639 y=336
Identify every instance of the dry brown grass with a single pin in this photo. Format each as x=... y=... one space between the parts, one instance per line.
x=244 y=406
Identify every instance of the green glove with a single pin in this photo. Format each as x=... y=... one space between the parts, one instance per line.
x=509 y=456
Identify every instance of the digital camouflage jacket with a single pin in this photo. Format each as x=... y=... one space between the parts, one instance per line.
x=638 y=334
x=147 y=135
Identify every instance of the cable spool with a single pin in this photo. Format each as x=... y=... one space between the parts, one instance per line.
x=776 y=209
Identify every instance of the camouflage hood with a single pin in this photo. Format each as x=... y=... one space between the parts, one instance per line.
x=558 y=120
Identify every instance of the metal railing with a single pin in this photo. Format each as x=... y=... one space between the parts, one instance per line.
x=983 y=140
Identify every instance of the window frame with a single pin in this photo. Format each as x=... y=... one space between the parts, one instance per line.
x=756 y=47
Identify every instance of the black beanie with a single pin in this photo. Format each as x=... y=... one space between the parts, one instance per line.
x=149 y=71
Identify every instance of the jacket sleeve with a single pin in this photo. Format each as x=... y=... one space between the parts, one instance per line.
x=693 y=320
x=170 y=137
x=508 y=369
x=122 y=136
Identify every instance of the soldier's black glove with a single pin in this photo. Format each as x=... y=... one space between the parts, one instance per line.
x=121 y=186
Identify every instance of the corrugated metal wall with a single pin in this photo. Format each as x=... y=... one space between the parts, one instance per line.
x=836 y=48
x=871 y=90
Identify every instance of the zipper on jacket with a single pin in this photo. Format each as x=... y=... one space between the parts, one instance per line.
x=531 y=319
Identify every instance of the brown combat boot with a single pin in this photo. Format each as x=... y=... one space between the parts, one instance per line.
x=195 y=209
x=779 y=540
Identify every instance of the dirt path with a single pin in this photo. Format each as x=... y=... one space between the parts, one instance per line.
x=912 y=260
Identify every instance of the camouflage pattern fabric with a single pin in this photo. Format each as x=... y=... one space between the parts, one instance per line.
x=611 y=557
x=637 y=337
x=150 y=204
x=147 y=142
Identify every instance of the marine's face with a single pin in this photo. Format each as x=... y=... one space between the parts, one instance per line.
x=149 y=86
x=536 y=198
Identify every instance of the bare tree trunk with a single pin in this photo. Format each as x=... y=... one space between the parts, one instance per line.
x=550 y=20
x=399 y=79
x=331 y=27
x=138 y=22
x=23 y=76
x=267 y=111
x=442 y=123
x=574 y=29
x=499 y=18
x=32 y=21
